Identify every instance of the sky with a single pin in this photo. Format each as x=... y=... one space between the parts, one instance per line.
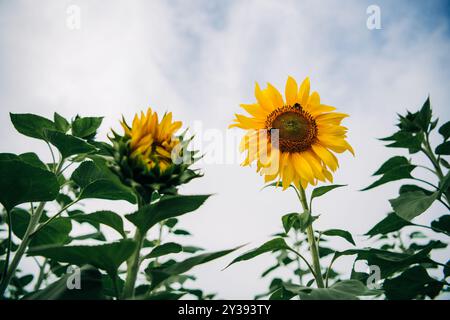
x=200 y=59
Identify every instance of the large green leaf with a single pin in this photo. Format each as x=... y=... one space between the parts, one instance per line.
x=21 y=182
x=158 y=275
x=108 y=218
x=166 y=248
x=167 y=207
x=396 y=168
x=98 y=183
x=444 y=130
x=411 y=204
x=31 y=125
x=68 y=145
x=391 y=223
x=86 y=127
x=90 y=287
x=106 y=257
x=269 y=246
x=339 y=233
x=412 y=283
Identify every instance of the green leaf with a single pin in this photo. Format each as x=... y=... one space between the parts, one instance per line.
x=270 y=246
x=86 y=127
x=343 y=290
x=390 y=262
x=98 y=183
x=170 y=223
x=444 y=130
x=406 y=140
x=412 y=187
x=90 y=287
x=423 y=118
x=391 y=223
x=396 y=168
x=21 y=183
x=166 y=248
x=68 y=145
x=167 y=207
x=32 y=159
x=192 y=249
x=340 y=233
x=158 y=275
x=442 y=224
x=289 y=220
x=108 y=218
x=61 y=124
x=320 y=191
x=410 y=205
x=443 y=148
x=444 y=163
x=181 y=232
x=31 y=125
x=412 y=283
x=106 y=257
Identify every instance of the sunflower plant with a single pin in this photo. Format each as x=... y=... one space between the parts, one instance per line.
x=404 y=247
x=44 y=205
x=293 y=141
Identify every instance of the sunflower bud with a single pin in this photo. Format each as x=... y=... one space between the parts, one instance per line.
x=149 y=156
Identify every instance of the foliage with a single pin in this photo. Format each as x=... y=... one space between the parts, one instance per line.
x=407 y=271
x=43 y=203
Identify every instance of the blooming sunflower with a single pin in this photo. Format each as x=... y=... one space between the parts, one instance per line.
x=294 y=139
x=149 y=156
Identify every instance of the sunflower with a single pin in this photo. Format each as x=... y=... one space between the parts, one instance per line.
x=292 y=140
x=151 y=141
x=150 y=157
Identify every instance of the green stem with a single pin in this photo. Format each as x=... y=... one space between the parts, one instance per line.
x=312 y=243
x=299 y=264
x=41 y=226
x=41 y=276
x=22 y=247
x=133 y=266
x=429 y=153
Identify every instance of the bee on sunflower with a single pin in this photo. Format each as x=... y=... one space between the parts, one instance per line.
x=308 y=134
x=149 y=156
x=293 y=140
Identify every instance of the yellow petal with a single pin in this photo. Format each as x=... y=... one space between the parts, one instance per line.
x=275 y=96
x=291 y=91
x=327 y=157
x=302 y=167
x=262 y=99
x=303 y=94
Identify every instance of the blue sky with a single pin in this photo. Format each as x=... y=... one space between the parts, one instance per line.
x=200 y=59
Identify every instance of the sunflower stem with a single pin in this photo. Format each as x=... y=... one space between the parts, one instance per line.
x=134 y=261
x=133 y=267
x=34 y=221
x=312 y=242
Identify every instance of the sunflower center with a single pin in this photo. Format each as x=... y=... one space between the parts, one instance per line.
x=297 y=129
x=291 y=125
